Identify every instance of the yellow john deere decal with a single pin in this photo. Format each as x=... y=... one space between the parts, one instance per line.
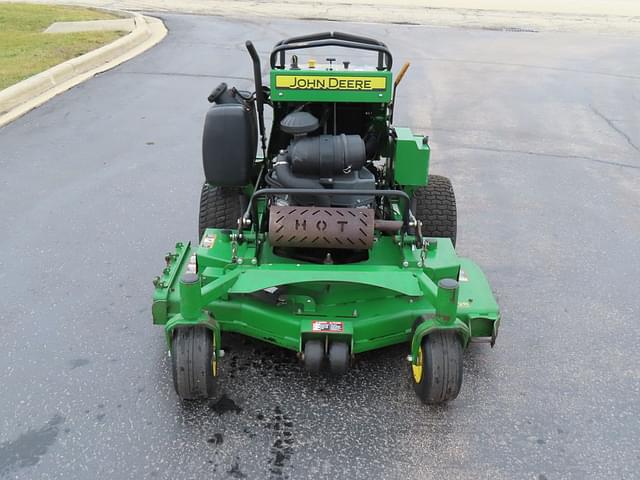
x=311 y=82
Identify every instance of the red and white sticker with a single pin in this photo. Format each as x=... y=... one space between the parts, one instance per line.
x=192 y=266
x=208 y=241
x=330 y=327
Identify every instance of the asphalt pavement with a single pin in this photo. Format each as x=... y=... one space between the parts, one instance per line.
x=595 y=16
x=540 y=134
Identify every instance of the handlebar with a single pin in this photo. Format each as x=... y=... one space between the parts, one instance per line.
x=326 y=39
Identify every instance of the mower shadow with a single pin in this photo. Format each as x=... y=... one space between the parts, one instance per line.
x=243 y=353
x=252 y=370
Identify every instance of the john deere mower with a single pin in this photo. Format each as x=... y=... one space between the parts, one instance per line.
x=334 y=241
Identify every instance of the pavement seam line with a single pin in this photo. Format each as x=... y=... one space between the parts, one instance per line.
x=616 y=129
x=542 y=154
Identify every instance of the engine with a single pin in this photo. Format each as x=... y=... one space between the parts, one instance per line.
x=317 y=226
x=321 y=162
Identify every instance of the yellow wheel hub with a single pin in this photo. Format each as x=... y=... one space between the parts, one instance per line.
x=416 y=368
x=214 y=362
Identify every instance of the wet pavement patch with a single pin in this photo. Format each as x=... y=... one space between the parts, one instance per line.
x=224 y=404
x=79 y=362
x=217 y=439
x=26 y=450
x=282 y=446
x=235 y=471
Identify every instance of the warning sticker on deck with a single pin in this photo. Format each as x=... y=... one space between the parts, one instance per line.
x=330 y=327
x=208 y=241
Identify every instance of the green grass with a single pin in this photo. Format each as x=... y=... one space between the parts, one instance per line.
x=25 y=50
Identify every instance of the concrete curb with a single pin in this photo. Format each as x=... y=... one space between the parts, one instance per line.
x=18 y=99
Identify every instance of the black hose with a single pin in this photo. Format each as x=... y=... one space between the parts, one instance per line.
x=272 y=181
x=288 y=180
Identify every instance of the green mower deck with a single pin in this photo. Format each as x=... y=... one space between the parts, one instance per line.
x=370 y=305
x=404 y=284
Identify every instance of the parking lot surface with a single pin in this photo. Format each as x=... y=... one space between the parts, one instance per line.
x=540 y=134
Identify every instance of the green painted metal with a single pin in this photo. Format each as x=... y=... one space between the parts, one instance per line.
x=174 y=264
x=321 y=85
x=431 y=324
x=447 y=300
x=392 y=278
x=411 y=158
x=396 y=295
x=377 y=301
x=191 y=299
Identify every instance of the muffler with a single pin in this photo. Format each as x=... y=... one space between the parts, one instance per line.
x=321 y=227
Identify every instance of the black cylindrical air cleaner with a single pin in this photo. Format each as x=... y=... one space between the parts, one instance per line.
x=327 y=155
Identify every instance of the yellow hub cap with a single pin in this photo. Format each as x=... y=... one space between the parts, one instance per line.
x=214 y=361
x=416 y=368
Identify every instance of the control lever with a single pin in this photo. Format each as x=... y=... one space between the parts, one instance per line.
x=397 y=81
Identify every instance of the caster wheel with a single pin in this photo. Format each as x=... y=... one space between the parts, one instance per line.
x=437 y=377
x=313 y=355
x=193 y=363
x=338 y=358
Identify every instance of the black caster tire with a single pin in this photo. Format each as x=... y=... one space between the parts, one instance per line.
x=313 y=355
x=338 y=358
x=438 y=376
x=193 y=363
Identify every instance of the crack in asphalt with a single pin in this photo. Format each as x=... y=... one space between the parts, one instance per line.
x=524 y=65
x=178 y=74
x=615 y=128
x=544 y=154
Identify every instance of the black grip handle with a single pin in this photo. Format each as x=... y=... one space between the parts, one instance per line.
x=257 y=77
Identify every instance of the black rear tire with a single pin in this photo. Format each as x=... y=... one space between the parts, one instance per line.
x=192 y=363
x=440 y=377
x=435 y=206
x=220 y=207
